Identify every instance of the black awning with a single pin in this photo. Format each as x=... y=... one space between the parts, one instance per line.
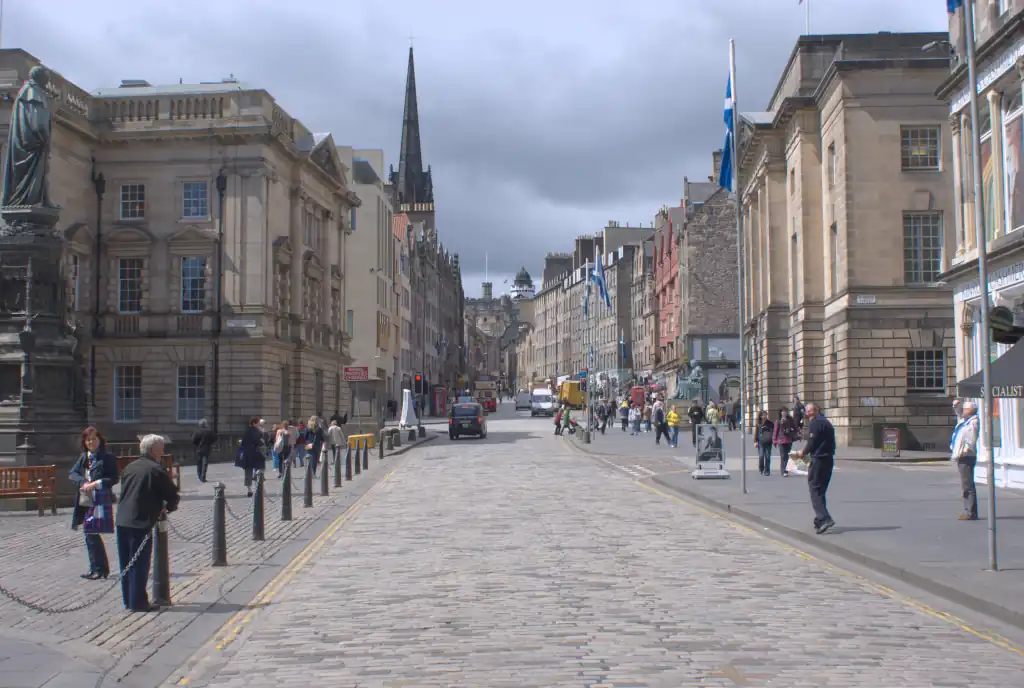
x=1007 y=377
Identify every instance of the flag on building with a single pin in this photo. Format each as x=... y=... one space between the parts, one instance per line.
x=622 y=344
x=586 y=291
x=951 y=5
x=602 y=285
x=725 y=173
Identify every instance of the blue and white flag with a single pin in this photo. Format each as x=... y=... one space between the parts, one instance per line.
x=953 y=5
x=725 y=172
x=591 y=355
x=586 y=291
x=622 y=344
x=602 y=284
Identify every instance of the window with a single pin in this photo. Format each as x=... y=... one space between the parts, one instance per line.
x=831 y=164
x=191 y=393
x=922 y=247
x=350 y=322
x=795 y=265
x=129 y=285
x=337 y=391
x=926 y=371
x=194 y=200
x=127 y=394
x=318 y=391
x=833 y=250
x=285 y=390
x=133 y=201
x=193 y=284
x=920 y=148
x=75 y=280
x=352 y=219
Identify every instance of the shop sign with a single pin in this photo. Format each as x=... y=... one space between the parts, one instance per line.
x=1002 y=278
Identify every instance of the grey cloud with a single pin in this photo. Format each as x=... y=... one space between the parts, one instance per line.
x=542 y=121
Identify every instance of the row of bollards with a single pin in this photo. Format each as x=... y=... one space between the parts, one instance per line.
x=357 y=459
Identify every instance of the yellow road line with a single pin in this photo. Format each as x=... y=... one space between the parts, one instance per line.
x=237 y=623
x=882 y=590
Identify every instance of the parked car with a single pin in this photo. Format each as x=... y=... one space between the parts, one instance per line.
x=523 y=400
x=467 y=419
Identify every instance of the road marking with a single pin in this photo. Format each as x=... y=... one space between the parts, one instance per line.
x=230 y=631
x=994 y=638
x=647 y=471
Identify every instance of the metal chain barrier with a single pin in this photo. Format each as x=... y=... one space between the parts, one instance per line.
x=78 y=607
x=182 y=536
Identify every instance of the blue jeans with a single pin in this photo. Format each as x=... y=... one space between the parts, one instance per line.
x=675 y=436
x=133 y=585
x=764 y=457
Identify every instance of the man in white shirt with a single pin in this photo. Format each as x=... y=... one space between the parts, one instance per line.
x=964 y=450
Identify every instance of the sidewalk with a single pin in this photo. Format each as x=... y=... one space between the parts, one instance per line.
x=617 y=443
x=43 y=557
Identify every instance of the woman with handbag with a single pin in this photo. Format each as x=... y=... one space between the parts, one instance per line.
x=765 y=436
x=786 y=432
x=95 y=473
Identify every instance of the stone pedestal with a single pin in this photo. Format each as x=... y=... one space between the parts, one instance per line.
x=42 y=392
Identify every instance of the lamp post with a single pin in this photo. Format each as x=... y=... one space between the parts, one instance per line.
x=979 y=223
x=222 y=185
x=99 y=184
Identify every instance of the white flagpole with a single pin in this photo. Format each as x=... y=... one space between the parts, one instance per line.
x=590 y=343
x=807 y=17
x=739 y=259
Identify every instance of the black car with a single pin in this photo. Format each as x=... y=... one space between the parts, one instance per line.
x=467 y=419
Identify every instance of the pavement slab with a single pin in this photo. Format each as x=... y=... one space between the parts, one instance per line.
x=517 y=561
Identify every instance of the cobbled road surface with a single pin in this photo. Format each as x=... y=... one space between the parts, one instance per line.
x=515 y=561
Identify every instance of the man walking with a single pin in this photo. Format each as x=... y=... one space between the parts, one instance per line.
x=696 y=414
x=964 y=450
x=821 y=449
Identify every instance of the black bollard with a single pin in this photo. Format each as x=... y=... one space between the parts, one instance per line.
x=397 y=434
x=366 y=454
x=286 y=492
x=161 y=564
x=220 y=533
x=390 y=441
x=307 y=486
x=257 y=508
x=337 y=466
x=380 y=447
x=422 y=431
x=324 y=475
x=356 y=461
x=412 y=434
x=348 y=463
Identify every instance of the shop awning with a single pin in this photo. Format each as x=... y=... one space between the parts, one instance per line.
x=1007 y=377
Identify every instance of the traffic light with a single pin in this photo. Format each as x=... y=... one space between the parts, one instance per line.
x=583 y=385
x=417 y=384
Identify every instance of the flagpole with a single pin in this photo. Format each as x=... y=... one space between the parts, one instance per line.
x=986 y=345
x=739 y=260
x=807 y=17
x=590 y=343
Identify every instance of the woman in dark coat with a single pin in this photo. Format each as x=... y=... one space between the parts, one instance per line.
x=95 y=467
x=252 y=455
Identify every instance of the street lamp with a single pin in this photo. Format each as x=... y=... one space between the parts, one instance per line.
x=99 y=184
x=222 y=185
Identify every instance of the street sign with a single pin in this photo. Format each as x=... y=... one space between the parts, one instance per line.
x=241 y=324
x=356 y=374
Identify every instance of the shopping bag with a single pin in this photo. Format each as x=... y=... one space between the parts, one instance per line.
x=99 y=519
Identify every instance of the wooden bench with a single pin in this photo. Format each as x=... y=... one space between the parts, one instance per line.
x=166 y=460
x=30 y=482
x=356 y=441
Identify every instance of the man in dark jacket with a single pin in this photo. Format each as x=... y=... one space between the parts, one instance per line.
x=696 y=414
x=821 y=449
x=203 y=440
x=147 y=491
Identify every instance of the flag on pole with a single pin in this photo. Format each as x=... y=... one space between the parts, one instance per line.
x=622 y=344
x=951 y=5
x=598 y=277
x=725 y=173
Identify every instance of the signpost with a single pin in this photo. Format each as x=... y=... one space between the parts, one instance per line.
x=356 y=374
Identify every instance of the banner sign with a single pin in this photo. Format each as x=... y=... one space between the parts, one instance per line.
x=891 y=442
x=356 y=374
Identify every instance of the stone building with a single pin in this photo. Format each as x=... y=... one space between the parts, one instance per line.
x=436 y=301
x=1000 y=72
x=610 y=329
x=643 y=312
x=666 y=292
x=522 y=285
x=499 y=319
x=550 y=330
x=708 y=314
x=148 y=178
x=844 y=244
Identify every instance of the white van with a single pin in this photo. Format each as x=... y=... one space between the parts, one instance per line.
x=542 y=403
x=523 y=400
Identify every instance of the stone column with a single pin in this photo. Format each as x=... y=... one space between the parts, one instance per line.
x=958 y=193
x=967 y=182
x=764 y=259
x=995 y=109
x=298 y=199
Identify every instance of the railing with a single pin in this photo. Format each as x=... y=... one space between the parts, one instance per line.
x=126 y=324
x=190 y=324
x=154 y=109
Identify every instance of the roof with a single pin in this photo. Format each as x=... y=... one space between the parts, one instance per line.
x=174 y=89
x=523 y=277
x=363 y=173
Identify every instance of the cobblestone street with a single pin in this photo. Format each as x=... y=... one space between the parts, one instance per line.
x=514 y=561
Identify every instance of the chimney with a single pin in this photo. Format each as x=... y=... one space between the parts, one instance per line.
x=716 y=165
x=488 y=294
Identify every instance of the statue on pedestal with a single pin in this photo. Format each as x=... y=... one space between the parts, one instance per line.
x=25 y=203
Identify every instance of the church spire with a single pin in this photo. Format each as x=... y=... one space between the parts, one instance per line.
x=413 y=184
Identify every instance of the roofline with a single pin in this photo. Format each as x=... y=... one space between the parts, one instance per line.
x=985 y=50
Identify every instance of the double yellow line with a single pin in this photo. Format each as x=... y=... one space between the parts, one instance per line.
x=882 y=590
x=230 y=631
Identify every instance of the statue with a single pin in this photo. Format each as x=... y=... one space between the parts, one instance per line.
x=28 y=146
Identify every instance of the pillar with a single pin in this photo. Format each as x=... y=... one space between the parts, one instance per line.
x=995 y=109
x=967 y=182
x=958 y=192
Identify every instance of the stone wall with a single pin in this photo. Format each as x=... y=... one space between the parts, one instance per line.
x=708 y=264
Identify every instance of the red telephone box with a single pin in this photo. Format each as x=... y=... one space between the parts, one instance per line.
x=441 y=401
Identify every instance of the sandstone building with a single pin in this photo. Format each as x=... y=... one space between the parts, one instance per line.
x=152 y=181
x=846 y=195
x=1000 y=72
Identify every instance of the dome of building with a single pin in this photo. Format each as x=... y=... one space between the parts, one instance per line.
x=522 y=285
x=523 y=277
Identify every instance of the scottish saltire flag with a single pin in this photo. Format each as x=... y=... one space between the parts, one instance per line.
x=725 y=173
x=586 y=292
x=953 y=5
x=622 y=344
x=591 y=355
x=601 y=282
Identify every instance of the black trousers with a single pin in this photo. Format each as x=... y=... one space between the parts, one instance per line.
x=202 y=462
x=693 y=433
x=659 y=430
x=819 y=474
x=133 y=585
x=97 y=554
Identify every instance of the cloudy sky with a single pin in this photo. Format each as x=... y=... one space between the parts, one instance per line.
x=542 y=120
